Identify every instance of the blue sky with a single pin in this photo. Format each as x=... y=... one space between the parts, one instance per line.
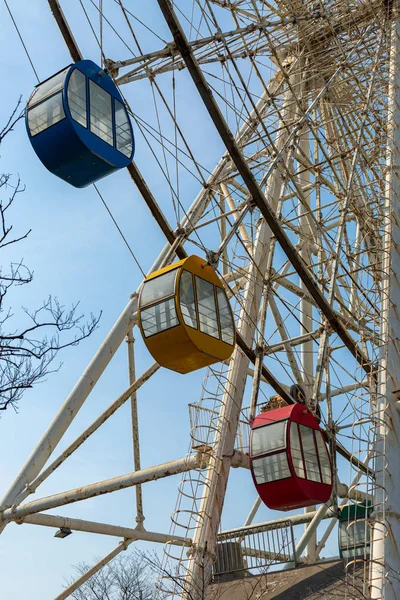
x=77 y=254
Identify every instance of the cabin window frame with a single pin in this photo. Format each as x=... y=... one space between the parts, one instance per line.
x=268 y=453
x=316 y=432
x=122 y=104
x=306 y=427
x=178 y=286
x=319 y=435
x=285 y=467
x=31 y=101
x=161 y=298
x=215 y=304
x=45 y=100
x=295 y=425
x=216 y=288
x=232 y=320
x=87 y=100
x=112 y=144
x=284 y=438
x=114 y=100
x=153 y=303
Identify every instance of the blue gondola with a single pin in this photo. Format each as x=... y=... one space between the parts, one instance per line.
x=78 y=124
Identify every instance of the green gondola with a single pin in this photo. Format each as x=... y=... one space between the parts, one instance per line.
x=354 y=531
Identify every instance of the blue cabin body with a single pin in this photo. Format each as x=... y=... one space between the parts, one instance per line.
x=78 y=125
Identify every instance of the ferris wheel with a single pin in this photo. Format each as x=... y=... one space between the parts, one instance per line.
x=279 y=277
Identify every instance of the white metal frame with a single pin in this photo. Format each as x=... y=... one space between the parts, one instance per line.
x=290 y=156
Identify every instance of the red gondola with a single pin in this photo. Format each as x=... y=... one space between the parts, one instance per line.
x=289 y=459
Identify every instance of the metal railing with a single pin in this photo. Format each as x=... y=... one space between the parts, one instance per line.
x=204 y=420
x=253 y=550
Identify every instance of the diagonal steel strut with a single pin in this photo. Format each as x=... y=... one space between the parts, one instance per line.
x=251 y=183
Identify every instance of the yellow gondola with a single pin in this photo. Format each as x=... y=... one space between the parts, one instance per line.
x=185 y=316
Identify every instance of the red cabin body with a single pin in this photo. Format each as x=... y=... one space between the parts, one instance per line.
x=289 y=459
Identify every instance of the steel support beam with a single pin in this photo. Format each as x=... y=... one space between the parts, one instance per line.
x=250 y=181
x=385 y=554
x=104 y=529
x=73 y=403
x=65 y=30
x=310 y=532
x=130 y=340
x=88 y=432
x=306 y=240
x=105 y=487
x=211 y=505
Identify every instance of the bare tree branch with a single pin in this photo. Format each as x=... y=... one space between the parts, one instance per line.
x=127 y=577
x=16 y=115
x=28 y=352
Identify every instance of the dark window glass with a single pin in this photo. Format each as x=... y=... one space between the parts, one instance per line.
x=77 y=97
x=225 y=317
x=324 y=459
x=295 y=451
x=353 y=537
x=122 y=130
x=310 y=454
x=100 y=113
x=186 y=299
x=206 y=307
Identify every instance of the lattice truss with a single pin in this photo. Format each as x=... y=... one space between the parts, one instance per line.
x=302 y=85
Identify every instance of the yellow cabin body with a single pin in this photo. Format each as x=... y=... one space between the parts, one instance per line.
x=185 y=317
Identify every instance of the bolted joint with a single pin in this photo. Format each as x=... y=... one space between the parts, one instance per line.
x=251 y=203
x=201 y=550
x=203 y=455
x=260 y=349
x=313 y=406
x=182 y=231
x=212 y=258
x=330 y=432
x=111 y=67
x=171 y=46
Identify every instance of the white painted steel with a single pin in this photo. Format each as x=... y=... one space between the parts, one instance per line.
x=306 y=240
x=88 y=432
x=311 y=529
x=73 y=403
x=104 y=487
x=135 y=426
x=204 y=538
x=104 y=529
x=385 y=582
